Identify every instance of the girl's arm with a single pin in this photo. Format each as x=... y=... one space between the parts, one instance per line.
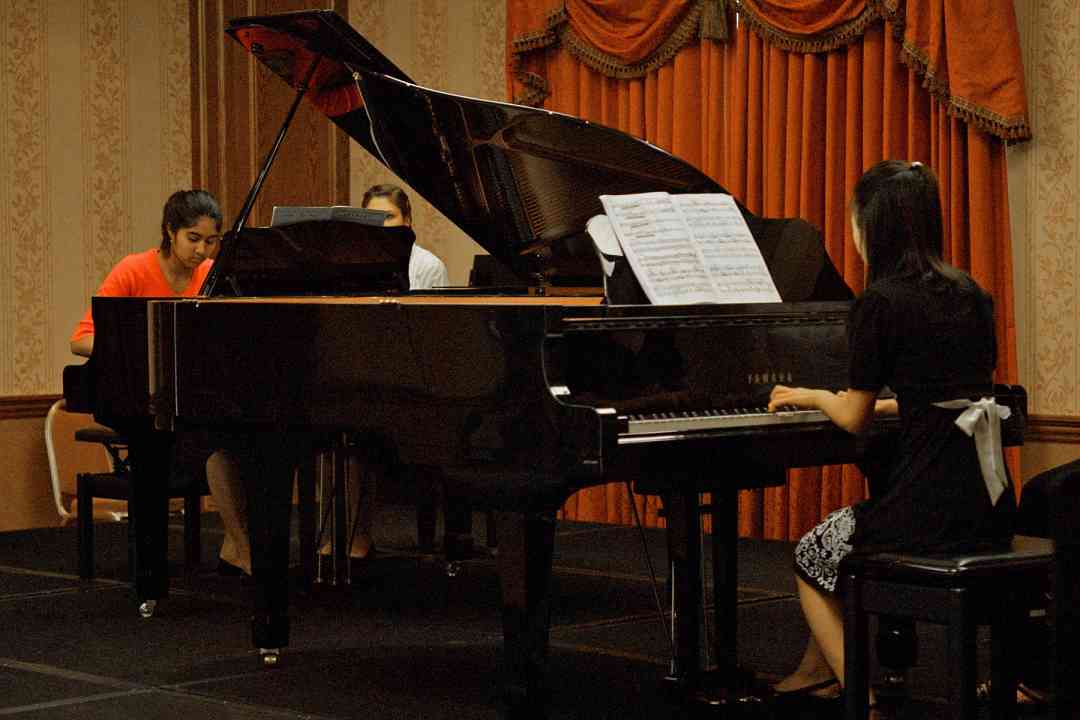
x=83 y=346
x=851 y=410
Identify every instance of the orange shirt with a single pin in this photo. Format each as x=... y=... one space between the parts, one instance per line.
x=140 y=275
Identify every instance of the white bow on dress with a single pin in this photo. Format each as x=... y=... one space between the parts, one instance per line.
x=982 y=418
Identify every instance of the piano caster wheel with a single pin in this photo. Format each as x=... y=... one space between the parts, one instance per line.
x=453 y=569
x=146 y=608
x=270 y=656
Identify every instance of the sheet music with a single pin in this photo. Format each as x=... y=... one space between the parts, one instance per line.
x=688 y=249
x=289 y=214
x=732 y=258
x=660 y=247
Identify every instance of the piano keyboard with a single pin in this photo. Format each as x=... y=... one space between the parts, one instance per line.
x=663 y=423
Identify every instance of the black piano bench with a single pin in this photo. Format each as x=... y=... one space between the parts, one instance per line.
x=116 y=485
x=996 y=588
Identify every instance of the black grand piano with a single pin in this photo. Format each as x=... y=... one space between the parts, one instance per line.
x=520 y=400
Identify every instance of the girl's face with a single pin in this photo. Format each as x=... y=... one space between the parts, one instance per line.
x=192 y=245
x=857 y=237
x=386 y=205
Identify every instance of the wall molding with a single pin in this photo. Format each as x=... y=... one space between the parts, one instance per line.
x=21 y=407
x=1063 y=429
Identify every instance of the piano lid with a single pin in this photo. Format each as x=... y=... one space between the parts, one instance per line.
x=520 y=181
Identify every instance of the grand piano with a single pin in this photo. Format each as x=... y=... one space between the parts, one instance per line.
x=520 y=400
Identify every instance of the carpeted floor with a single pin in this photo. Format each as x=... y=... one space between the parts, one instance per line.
x=405 y=641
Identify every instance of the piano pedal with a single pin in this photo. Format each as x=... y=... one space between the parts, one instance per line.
x=736 y=690
x=147 y=608
x=270 y=656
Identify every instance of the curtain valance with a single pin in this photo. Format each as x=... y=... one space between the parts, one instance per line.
x=966 y=51
x=618 y=38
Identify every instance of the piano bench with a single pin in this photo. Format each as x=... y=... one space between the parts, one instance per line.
x=996 y=588
x=116 y=485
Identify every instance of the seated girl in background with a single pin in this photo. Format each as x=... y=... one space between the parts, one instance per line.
x=426 y=270
x=190 y=234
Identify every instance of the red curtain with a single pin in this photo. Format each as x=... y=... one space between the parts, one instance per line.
x=789 y=132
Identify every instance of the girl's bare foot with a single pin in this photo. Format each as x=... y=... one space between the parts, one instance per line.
x=231 y=555
x=360 y=549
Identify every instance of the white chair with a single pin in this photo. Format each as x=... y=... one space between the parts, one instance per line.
x=91 y=482
x=69 y=457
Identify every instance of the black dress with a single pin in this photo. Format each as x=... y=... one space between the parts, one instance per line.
x=930 y=340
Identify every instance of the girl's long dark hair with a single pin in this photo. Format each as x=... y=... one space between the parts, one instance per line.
x=183 y=210
x=897 y=209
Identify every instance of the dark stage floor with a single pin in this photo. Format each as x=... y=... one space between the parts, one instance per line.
x=406 y=642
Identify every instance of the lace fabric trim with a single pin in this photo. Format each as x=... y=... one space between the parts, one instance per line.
x=819 y=552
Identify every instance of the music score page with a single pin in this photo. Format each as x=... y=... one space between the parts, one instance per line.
x=687 y=249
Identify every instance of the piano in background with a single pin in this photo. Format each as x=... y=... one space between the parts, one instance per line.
x=519 y=400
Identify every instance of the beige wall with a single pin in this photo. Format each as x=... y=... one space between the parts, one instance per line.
x=1044 y=193
x=94 y=133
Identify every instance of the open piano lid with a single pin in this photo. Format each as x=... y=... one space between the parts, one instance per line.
x=521 y=182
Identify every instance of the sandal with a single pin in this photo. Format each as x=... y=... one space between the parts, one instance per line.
x=1027 y=697
x=807 y=690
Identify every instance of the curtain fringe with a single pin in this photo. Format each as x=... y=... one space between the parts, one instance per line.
x=708 y=19
x=611 y=66
x=1010 y=129
x=832 y=39
x=705 y=19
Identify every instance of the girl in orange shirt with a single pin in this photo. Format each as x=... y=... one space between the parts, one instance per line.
x=190 y=233
x=190 y=236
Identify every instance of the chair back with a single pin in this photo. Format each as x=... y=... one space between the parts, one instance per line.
x=1063 y=495
x=1050 y=507
x=68 y=457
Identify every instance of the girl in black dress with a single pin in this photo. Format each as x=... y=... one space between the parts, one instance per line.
x=926 y=330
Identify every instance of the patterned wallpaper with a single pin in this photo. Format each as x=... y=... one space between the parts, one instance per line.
x=95 y=132
x=106 y=204
x=1045 y=185
x=24 y=204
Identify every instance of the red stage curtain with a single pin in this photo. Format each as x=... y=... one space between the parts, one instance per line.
x=789 y=132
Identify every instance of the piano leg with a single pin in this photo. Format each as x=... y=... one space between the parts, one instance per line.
x=267 y=465
x=150 y=456
x=733 y=683
x=684 y=556
x=724 y=510
x=726 y=682
x=308 y=512
x=526 y=542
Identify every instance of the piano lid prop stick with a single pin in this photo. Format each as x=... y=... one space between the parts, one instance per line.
x=249 y=202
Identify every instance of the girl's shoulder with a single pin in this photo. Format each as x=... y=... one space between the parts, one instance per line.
x=956 y=283
x=138 y=260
